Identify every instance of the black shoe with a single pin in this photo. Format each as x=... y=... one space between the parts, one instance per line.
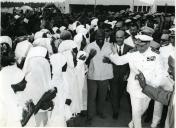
x=101 y=115
x=89 y=120
x=147 y=119
x=83 y=113
x=115 y=116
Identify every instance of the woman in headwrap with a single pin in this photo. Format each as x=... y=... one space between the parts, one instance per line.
x=61 y=113
x=81 y=70
x=48 y=43
x=38 y=75
x=10 y=111
x=69 y=49
x=21 y=52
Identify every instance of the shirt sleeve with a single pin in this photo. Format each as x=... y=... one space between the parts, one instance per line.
x=158 y=94
x=119 y=60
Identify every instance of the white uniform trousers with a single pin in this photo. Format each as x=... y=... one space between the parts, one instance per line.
x=157 y=113
x=139 y=106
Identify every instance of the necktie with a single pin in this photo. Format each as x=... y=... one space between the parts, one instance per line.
x=120 y=51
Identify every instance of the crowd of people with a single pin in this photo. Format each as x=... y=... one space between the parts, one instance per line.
x=57 y=67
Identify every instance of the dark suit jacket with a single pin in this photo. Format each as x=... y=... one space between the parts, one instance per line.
x=122 y=70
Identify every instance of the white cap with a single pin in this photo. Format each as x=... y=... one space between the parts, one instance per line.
x=146 y=29
x=144 y=37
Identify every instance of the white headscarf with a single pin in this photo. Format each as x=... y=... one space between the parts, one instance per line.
x=22 y=49
x=38 y=34
x=82 y=30
x=66 y=48
x=6 y=39
x=74 y=25
x=35 y=52
x=94 y=22
x=78 y=39
x=44 y=42
x=47 y=32
x=66 y=45
x=78 y=28
x=88 y=27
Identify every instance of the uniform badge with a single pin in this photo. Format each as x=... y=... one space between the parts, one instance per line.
x=151 y=58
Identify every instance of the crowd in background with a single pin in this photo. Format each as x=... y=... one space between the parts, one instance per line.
x=56 y=67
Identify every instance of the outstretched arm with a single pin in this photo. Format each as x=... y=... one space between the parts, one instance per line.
x=158 y=93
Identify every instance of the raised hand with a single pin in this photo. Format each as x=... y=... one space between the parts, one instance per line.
x=92 y=53
x=82 y=57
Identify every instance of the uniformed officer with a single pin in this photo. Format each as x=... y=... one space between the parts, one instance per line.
x=148 y=61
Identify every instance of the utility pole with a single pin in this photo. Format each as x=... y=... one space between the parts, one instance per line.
x=95 y=7
x=133 y=6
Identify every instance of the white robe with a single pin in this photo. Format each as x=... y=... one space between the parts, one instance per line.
x=10 y=111
x=71 y=78
x=37 y=74
x=82 y=82
x=58 y=116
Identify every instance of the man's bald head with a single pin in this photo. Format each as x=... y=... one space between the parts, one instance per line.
x=66 y=35
x=120 y=33
x=120 y=36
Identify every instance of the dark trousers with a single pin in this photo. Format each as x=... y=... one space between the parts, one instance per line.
x=97 y=91
x=117 y=90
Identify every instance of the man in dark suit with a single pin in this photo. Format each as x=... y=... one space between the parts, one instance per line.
x=120 y=72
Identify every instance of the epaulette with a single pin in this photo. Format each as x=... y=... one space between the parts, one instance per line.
x=155 y=50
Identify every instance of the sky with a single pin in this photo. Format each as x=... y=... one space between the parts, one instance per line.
x=103 y=2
